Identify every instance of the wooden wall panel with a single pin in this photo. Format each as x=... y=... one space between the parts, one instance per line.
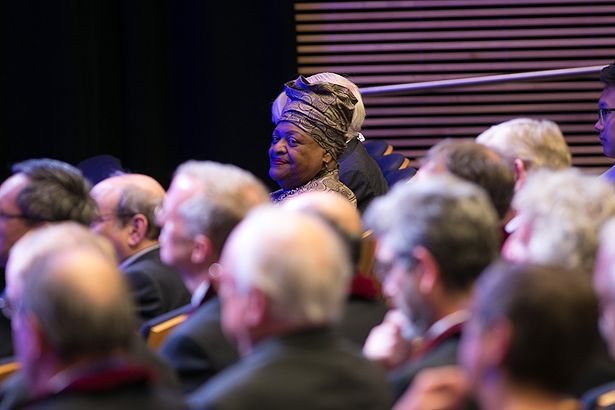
x=391 y=42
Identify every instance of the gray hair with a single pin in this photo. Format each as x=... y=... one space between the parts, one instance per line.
x=450 y=217
x=136 y=200
x=47 y=240
x=538 y=143
x=607 y=235
x=566 y=210
x=227 y=193
x=296 y=260
x=73 y=315
x=358 y=115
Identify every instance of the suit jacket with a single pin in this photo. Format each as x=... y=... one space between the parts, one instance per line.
x=197 y=349
x=156 y=287
x=14 y=391
x=442 y=354
x=6 y=338
x=360 y=173
x=312 y=370
x=107 y=386
x=360 y=316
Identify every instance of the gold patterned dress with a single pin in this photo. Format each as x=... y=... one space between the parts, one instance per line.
x=324 y=181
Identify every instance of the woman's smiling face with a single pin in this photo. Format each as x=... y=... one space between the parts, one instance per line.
x=294 y=156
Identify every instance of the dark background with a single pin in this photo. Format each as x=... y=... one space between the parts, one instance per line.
x=153 y=83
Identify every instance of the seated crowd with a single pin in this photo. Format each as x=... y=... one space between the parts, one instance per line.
x=485 y=281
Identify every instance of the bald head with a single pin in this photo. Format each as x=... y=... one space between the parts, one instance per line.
x=296 y=260
x=331 y=206
x=126 y=212
x=48 y=240
x=80 y=302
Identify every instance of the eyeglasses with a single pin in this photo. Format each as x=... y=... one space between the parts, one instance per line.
x=5 y=215
x=603 y=113
x=383 y=268
x=98 y=219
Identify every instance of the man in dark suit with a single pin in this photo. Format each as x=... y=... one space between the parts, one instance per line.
x=205 y=201
x=364 y=308
x=507 y=360
x=126 y=206
x=284 y=283
x=49 y=240
x=435 y=236
x=39 y=192
x=74 y=334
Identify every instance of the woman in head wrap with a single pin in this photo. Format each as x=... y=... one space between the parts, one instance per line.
x=309 y=137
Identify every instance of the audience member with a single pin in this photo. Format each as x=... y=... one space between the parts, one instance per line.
x=605 y=124
x=40 y=191
x=358 y=170
x=284 y=284
x=560 y=214
x=476 y=163
x=50 y=240
x=126 y=216
x=530 y=144
x=72 y=325
x=364 y=309
x=434 y=239
x=531 y=330
x=309 y=137
x=205 y=201
x=603 y=397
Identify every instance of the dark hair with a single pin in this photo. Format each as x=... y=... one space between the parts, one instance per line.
x=476 y=163
x=607 y=75
x=56 y=192
x=554 y=318
x=135 y=200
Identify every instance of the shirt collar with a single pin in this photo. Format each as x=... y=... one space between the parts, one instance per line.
x=131 y=259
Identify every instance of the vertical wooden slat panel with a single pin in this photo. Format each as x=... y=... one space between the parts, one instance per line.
x=389 y=42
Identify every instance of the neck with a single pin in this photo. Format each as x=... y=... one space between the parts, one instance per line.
x=449 y=303
x=192 y=282
x=144 y=244
x=268 y=331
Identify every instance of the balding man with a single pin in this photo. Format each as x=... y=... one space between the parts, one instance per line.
x=41 y=243
x=126 y=216
x=364 y=309
x=86 y=366
x=476 y=163
x=283 y=285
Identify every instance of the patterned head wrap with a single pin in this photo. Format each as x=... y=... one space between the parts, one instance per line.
x=323 y=110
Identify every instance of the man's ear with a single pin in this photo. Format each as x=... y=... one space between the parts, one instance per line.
x=202 y=249
x=497 y=339
x=257 y=308
x=520 y=173
x=427 y=268
x=38 y=343
x=137 y=230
